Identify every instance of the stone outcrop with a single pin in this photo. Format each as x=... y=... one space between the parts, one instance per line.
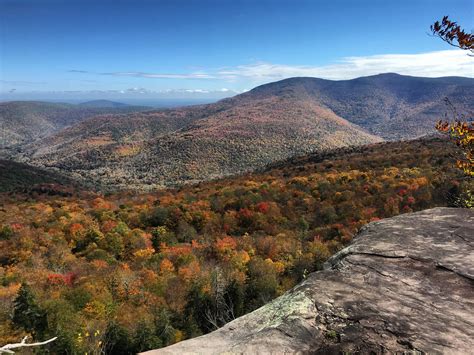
x=405 y=284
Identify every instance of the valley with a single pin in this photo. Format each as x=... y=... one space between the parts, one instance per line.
x=146 y=227
x=148 y=150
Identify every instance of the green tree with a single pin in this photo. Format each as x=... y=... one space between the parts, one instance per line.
x=262 y=283
x=26 y=312
x=117 y=340
x=145 y=338
x=156 y=217
x=5 y=232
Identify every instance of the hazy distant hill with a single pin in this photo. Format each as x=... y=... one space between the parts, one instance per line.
x=270 y=123
x=102 y=104
x=118 y=130
x=26 y=121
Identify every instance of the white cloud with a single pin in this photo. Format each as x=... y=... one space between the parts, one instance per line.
x=138 y=90
x=432 y=64
x=200 y=91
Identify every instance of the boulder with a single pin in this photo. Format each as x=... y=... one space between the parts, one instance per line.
x=405 y=284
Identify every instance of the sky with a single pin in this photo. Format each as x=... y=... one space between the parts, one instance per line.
x=211 y=49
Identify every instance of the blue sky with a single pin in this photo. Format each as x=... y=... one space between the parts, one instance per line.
x=216 y=48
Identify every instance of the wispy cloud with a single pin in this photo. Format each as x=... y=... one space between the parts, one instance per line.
x=162 y=75
x=78 y=71
x=431 y=64
x=194 y=75
x=140 y=91
x=21 y=82
x=174 y=91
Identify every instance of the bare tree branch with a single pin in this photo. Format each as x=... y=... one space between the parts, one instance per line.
x=7 y=348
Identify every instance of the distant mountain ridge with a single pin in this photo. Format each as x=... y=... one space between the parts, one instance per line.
x=102 y=104
x=25 y=121
x=273 y=122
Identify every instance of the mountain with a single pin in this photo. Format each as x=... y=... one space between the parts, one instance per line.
x=25 y=121
x=102 y=104
x=391 y=106
x=163 y=148
x=403 y=286
x=272 y=122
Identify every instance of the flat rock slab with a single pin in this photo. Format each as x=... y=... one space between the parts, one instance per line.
x=405 y=284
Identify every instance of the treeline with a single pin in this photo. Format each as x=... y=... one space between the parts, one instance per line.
x=124 y=273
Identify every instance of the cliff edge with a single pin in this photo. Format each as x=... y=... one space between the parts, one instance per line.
x=405 y=284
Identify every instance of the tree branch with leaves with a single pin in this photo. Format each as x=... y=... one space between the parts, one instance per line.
x=450 y=32
x=460 y=127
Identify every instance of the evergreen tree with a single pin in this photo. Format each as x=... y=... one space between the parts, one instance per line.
x=117 y=340
x=145 y=338
x=27 y=314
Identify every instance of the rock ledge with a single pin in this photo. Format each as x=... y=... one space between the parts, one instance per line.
x=405 y=284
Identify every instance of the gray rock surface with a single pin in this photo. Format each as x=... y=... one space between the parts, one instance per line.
x=405 y=284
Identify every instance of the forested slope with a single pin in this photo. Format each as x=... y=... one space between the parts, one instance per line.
x=124 y=273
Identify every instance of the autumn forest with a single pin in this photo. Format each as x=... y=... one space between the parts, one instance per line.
x=169 y=169
x=125 y=272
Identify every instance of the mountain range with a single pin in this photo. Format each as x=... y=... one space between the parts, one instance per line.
x=273 y=122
